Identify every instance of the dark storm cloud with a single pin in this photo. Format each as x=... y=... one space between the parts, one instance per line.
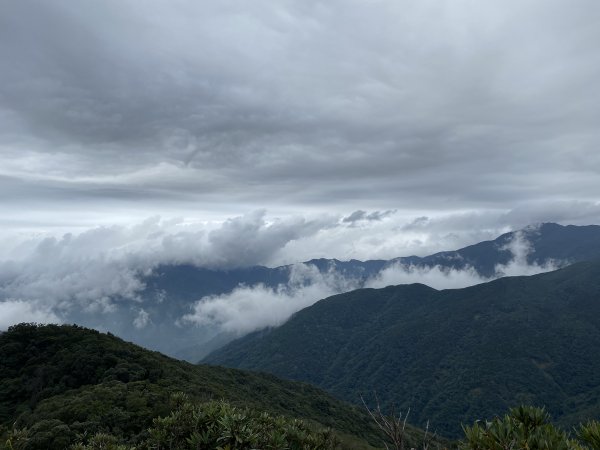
x=360 y=215
x=355 y=216
x=413 y=105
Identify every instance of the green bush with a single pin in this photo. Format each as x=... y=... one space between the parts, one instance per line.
x=528 y=428
x=218 y=425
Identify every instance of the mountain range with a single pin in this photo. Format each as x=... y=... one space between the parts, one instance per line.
x=451 y=356
x=171 y=291
x=157 y=315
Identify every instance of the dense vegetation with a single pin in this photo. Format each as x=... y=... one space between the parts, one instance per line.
x=61 y=382
x=67 y=387
x=452 y=356
x=528 y=428
x=210 y=425
x=216 y=425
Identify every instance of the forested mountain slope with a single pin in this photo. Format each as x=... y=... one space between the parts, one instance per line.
x=451 y=355
x=66 y=380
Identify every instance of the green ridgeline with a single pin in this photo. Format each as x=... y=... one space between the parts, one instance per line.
x=60 y=382
x=451 y=356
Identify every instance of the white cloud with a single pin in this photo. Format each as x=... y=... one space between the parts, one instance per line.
x=520 y=248
x=439 y=277
x=91 y=272
x=96 y=268
x=436 y=277
x=17 y=311
x=142 y=319
x=250 y=308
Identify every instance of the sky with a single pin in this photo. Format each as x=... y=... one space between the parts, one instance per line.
x=230 y=133
x=237 y=133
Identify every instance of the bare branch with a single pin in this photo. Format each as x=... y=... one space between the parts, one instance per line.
x=392 y=426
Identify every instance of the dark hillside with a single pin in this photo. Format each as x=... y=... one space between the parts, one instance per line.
x=451 y=356
x=67 y=376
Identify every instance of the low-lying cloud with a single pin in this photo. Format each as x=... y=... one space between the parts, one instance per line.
x=437 y=277
x=520 y=248
x=94 y=270
x=440 y=277
x=98 y=271
x=16 y=311
x=250 y=308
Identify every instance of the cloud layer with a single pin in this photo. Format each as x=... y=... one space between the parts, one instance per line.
x=98 y=271
x=249 y=308
x=17 y=311
x=126 y=109
x=94 y=269
x=439 y=277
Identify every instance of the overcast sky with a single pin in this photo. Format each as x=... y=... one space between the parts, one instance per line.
x=325 y=128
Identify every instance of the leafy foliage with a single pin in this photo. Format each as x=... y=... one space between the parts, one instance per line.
x=219 y=425
x=60 y=382
x=590 y=434
x=452 y=356
x=527 y=428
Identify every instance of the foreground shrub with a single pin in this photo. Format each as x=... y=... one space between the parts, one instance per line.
x=528 y=428
x=219 y=425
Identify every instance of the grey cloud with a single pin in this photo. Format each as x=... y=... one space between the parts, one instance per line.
x=359 y=215
x=574 y=212
x=16 y=311
x=142 y=319
x=94 y=269
x=249 y=240
x=380 y=215
x=101 y=270
x=338 y=105
x=355 y=216
x=481 y=222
